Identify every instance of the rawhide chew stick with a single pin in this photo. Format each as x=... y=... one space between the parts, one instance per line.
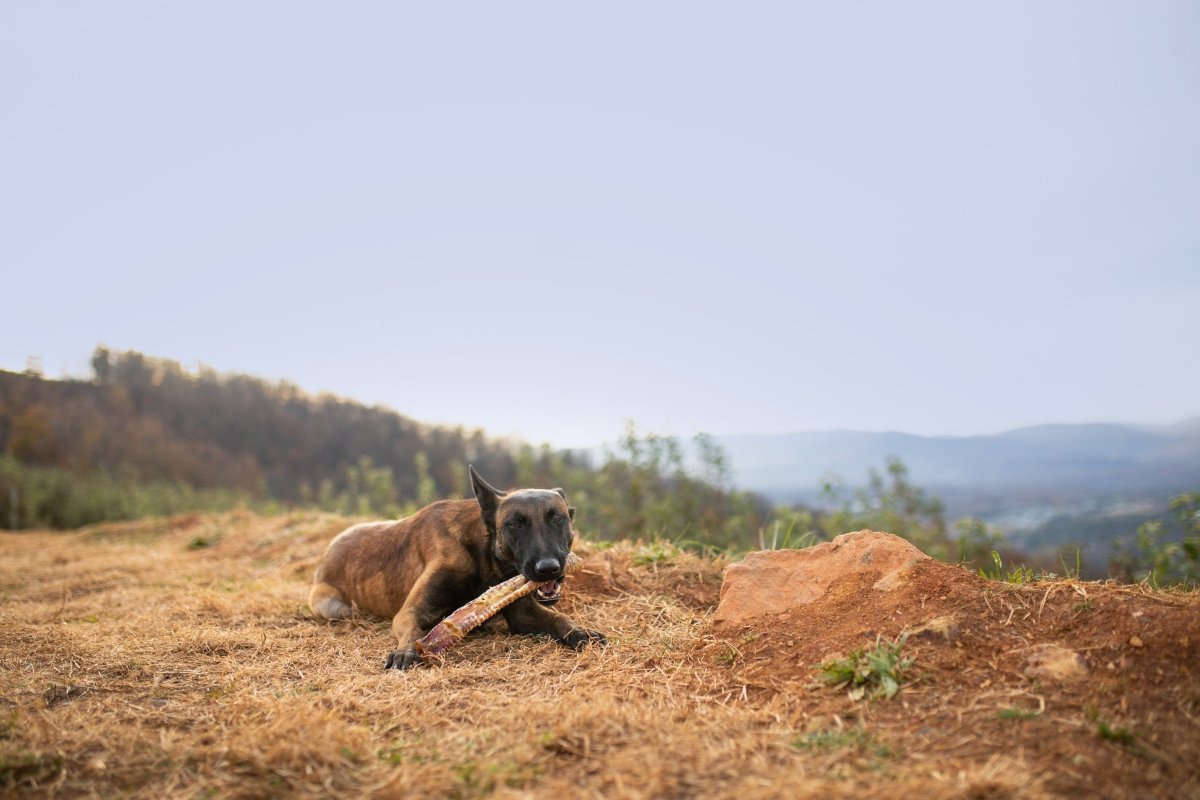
x=451 y=630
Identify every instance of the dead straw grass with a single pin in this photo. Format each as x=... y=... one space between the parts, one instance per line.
x=176 y=658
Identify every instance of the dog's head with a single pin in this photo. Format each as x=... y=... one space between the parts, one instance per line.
x=529 y=529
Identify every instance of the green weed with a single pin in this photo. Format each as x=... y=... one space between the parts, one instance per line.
x=655 y=552
x=480 y=780
x=842 y=739
x=1119 y=734
x=401 y=755
x=729 y=656
x=792 y=537
x=1016 y=574
x=1068 y=571
x=201 y=542
x=870 y=673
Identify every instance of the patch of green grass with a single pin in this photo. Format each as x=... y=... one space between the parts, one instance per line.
x=401 y=754
x=1018 y=714
x=702 y=549
x=475 y=779
x=1119 y=734
x=729 y=656
x=789 y=538
x=845 y=750
x=1068 y=570
x=842 y=739
x=655 y=552
x=661 y=549
x=218 y=692
x=1016 y=574
x=870 y=673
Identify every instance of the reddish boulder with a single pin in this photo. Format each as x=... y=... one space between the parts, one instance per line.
x=771 y=582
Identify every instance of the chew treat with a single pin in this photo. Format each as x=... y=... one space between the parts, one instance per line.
x=454 y=627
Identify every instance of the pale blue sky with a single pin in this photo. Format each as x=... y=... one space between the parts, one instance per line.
x=544 y=219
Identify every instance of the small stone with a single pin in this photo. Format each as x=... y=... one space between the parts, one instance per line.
x=1135 y=641
x=943 y=628
x=1054 y=662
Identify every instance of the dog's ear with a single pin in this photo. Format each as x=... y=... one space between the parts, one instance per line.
x=563 y=495
x=487 y=497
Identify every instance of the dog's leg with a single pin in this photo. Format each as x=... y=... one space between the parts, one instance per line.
x=528 y=616
x=420 y=612
x=328 y=602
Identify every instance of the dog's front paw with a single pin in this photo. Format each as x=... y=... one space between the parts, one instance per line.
x=402 y=659
x=580 y=638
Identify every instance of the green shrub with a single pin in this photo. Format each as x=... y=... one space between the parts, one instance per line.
x=869 y=673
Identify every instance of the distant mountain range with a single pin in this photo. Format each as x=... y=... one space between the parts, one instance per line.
x=1048 y=463
x=1048 y=487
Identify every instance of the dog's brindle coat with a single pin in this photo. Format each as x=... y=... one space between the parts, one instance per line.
x=419 y=569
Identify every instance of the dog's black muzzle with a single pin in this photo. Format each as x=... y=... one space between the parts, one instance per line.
x=548 y=572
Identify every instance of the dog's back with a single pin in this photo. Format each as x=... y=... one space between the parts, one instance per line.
x=374 y=565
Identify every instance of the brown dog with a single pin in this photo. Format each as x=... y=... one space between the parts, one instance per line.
x=419 y=569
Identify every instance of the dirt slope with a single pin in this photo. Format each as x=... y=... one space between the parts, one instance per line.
x=177 y=658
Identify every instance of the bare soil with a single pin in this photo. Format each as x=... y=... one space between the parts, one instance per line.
x=177 y=658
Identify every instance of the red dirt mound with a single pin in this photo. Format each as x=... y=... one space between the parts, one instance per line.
x=1095 y=682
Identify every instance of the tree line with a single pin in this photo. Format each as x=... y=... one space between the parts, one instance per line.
x=144 y=436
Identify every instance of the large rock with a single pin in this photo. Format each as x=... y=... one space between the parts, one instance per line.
x=767 y=583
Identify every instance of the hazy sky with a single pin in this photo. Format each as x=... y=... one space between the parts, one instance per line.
x=547 y=218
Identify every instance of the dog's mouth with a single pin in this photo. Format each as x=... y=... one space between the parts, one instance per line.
x=549 y=592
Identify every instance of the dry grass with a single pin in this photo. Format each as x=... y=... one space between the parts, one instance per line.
x=176 y=658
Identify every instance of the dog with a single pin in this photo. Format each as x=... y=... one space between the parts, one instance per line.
x=418 y=569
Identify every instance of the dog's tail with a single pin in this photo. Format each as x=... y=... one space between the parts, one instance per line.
x=328 y=603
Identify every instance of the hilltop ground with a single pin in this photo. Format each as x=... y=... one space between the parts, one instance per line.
x=177 y=658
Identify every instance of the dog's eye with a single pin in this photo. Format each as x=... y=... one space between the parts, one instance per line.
x=516 y=522
x=555 y=519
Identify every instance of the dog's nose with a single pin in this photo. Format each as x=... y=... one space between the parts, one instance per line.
x=547 y=568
